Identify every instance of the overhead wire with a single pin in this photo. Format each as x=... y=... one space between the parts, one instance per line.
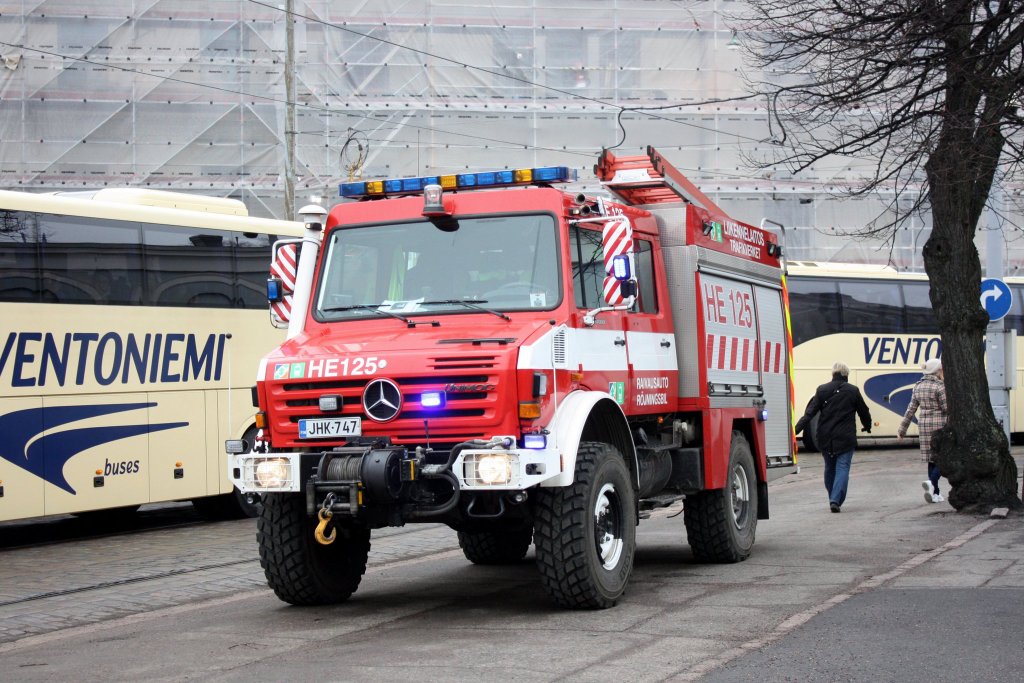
x=646 y=111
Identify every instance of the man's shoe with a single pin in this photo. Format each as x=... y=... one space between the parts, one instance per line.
x=834 y=507
x=938 y=498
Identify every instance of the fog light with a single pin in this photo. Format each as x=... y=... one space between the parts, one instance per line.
x=234 y=446
x=328 y=404
x=272 y=474
x=536 y=441
x=432 y=399
x=494 y=469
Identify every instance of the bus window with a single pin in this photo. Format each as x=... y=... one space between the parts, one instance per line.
x=18 y=254
x=871 y=307
x=87 y=261
x=1015 y=318
x=189 y=267
x=920 y=316
x=813 y=309
x=252 y=254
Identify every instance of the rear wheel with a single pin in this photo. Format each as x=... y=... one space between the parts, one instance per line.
x=585 y=534
x=503 y=546
x=721 y=524
x=300 y=570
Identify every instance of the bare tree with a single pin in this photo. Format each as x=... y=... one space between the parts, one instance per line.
x=930 y=91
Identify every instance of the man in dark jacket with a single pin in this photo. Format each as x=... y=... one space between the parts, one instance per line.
x=837 y=402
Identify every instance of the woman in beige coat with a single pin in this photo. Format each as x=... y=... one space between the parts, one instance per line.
x=930 y=398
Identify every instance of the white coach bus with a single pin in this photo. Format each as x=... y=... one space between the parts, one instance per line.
x=133 y=323
x=880 y=322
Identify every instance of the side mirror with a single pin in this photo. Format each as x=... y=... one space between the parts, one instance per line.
x=617 y=242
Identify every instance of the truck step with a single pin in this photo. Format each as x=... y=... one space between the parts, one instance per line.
x=660 y=501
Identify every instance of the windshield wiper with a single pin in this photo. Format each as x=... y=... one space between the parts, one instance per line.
x=470 y=304
x=376 y=309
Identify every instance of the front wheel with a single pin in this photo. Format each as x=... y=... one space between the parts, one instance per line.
x=299 y=569
x=721 y=524
x=585 y=534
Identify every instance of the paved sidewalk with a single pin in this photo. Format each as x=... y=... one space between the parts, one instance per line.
x=51 y=587
x=955 y=616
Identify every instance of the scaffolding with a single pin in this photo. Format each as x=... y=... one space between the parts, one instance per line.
x=191 y=95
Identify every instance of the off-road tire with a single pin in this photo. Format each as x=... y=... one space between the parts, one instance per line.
x=300 y=570
x=721 y=524
x=504 y=546
x=570 y=522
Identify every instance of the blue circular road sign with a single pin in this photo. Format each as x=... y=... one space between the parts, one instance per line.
x=996 y=298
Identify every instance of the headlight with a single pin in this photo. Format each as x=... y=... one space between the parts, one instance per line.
x=494 y=469
x=272 y=474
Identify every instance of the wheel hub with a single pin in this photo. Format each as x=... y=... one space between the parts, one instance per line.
x=608 y=526
x=740 y=496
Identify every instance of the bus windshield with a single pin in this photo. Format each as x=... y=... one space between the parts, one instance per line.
x=500 y=263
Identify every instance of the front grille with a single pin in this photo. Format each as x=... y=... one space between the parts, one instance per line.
x=477 y=410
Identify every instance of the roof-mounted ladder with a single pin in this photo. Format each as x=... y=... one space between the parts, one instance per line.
x=648 y=179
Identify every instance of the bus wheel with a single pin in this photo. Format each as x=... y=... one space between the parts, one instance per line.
x=810 y=438
x=585 y=534
x=501 y=546
x=298 y=569
x=721 y=524
x=234 y=505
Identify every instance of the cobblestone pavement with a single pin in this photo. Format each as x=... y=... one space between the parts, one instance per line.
x=56 y=586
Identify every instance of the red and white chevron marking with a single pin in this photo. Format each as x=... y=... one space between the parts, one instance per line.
x=617 y=239
x=283 y=267
x=739 y=354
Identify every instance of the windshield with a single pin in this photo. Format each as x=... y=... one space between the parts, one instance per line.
x=497 y=263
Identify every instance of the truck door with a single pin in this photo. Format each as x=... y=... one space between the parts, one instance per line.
x=650 y=340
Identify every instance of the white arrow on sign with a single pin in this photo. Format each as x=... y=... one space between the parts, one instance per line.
x=993 y=293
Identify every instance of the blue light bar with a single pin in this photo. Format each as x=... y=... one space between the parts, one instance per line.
x=459 y=181
x=432 y=399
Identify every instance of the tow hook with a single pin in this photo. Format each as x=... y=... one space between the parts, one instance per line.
x=325 y=516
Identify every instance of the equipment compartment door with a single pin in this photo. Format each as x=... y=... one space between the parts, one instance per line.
x=730 y=327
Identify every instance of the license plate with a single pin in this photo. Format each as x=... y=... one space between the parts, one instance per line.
x=325 y=428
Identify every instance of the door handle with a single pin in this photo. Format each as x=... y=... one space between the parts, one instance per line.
x=666 y=343
x=620 y=342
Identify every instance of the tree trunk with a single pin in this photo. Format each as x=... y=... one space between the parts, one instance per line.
x=971 y=451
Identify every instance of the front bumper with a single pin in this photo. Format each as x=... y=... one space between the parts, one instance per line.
x=525 y=468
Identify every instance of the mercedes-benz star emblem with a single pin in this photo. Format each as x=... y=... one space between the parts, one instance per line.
x=382 y=400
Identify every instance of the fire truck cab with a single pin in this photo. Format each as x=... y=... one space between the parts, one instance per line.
x=525 y=365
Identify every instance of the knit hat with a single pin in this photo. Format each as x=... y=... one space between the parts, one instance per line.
x=931 y=366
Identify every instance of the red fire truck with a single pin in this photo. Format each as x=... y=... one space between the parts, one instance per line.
x=524 y=365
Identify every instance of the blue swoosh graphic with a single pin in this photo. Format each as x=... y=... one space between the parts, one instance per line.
x=47 y=456
x=898 y=386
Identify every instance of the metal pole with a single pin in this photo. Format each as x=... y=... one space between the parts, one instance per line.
x=996 y=337
x=289 y=119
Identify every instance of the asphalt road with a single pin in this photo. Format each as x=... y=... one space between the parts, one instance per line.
x=890 y=589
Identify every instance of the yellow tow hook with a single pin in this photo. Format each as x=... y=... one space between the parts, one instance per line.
x=325 y=516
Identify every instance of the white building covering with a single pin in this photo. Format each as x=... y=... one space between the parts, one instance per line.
x=191 y=95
